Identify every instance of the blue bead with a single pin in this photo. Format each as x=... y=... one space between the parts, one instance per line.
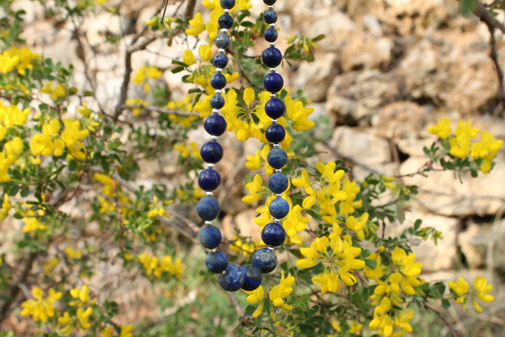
x=271 y=57
x=217 y=262
x=279 y=208
x=271 y=34
x=217 y=101
x=211 y=152
x=275 y=133
x=210 y=237
x=225 y=21
x=227 y=4
x=275 y=108
x=270 y=16
x=218 y=81
x=252 y=277
x=220 y=61
x=269 y=2
x=278 y=183
x=265 y=260
x=273 y=234
x=273 y=82
x=209 y=180
x=277 y=158
x=215 y=125
x=208 y=208
x=223 y=40
x=233 y=279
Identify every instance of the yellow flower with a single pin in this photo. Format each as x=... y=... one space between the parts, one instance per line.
x=188 y=58
x=6 y=206
x=40 y=308
x=487 y=148
x=442 y=129
x=279 y=292
x=73 y=254
x=481 y=289
x=460 y=145
x=19 y=58
x=355 y=327
x=244 y=5
x=297 y=112
x=460 y=287
x=255 y=189
x=197 y=25
x=295 y=223
x=126 y=331
x=72 y=136
x=55 y=93
x=357 y=225
x=83 y=317
x=205 y=52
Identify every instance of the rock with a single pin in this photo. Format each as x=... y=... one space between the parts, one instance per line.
x=363 y=50
x=441 y=193
x=473 y=243
x=354 y=97
x=244 y=223
x=336 y=27
x=314 y=78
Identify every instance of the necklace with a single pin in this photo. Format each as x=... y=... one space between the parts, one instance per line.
x=233 y=277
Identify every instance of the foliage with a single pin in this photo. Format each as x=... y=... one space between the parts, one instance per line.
x=70 y=175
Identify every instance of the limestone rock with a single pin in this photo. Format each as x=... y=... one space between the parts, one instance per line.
x=314 y=78
x=336 y=27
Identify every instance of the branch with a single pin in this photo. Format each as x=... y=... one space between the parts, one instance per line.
x=158 y=109
x=486 y=16
x=190 y=9
x=447 y=324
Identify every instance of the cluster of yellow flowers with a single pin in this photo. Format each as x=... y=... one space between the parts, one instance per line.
x=17 y=58
x=145 y=73
x=157 y=267
x=480 y=291
x=111 y=190
x=40 y=308
x=461 y=142
x=56 y=92
x=244 y=247
x=276 y=295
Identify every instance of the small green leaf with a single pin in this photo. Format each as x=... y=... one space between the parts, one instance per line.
x=370 y=263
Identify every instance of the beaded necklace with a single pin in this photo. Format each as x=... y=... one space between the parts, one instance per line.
x=233 y=277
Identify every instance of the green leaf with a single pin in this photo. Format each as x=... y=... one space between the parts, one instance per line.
x=466 y=7
x=371 y=263
x=445 y=303
x=25 y=191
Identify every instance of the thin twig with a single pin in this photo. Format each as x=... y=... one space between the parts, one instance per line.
x=442 y=318
x=190 y=9
x=158 y=109
x=493 y=53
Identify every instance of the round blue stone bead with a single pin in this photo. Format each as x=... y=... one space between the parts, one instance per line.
x=227 y=4
x=271 y=57
x=273 y=82
x=217 y=262
x=278 y=183
x=209 y=180
x=217 y=101
x=210 y=237
x=208 y=208
x=279 y=208
x=270 y=16
x=223 y=40
x=225 y=21
x=218 y=81
x=273 y=234
x=275 y=133
x=277 y=158
x=252 y=277
x=211 y=152
x=271 y=34
x=220 y=60
x=215 y=125
x=275 y=108
x=265 y=260
x=269 y=2
x=233 y=279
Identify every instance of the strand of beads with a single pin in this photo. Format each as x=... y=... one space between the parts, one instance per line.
x=273 y=234
x=232 y=277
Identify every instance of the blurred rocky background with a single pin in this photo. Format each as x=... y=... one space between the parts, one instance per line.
x=386 y=70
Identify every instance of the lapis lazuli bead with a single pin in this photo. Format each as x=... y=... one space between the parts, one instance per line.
x=210 y=237
x=273 y=82
x=270 y=16
x=269 y=2
x=211 y=152
x=233 y=279
x=275 y=133
x=220 y=60
x=209 y=180
x=225 y=21
x=279 y=208
x=271 y=34
x=217 y=262
x=227 y=4
x=223 y=40
x=277 y=158
x=265 y=260
x=252 y=277
x=215 y=124
x=271 y=57
x=273 y=234
x=217 y=101
x=208 y=208
x=278 y=183
x=218 y=81
x=275 y=108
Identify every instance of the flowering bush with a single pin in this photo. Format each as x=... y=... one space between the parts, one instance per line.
x=72 y=196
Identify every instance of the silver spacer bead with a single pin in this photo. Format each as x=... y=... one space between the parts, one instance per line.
x=210 y=165
x=277 y=220
x=217 y=91
x=220 y=51
x=278 y=195
x=219 y=70
x=272 y=95
x=224 y=30
x=208 y=222
x=276 y=145
x=227 y=11
x=277 y=170
x=216 y=110
x=273 y=70
x=272 y=25
x=274 y=121
x=271 y=7
x=272 y=44
x=213 y=251
x=208 y=193
x=270 y=248
x=213 y=137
